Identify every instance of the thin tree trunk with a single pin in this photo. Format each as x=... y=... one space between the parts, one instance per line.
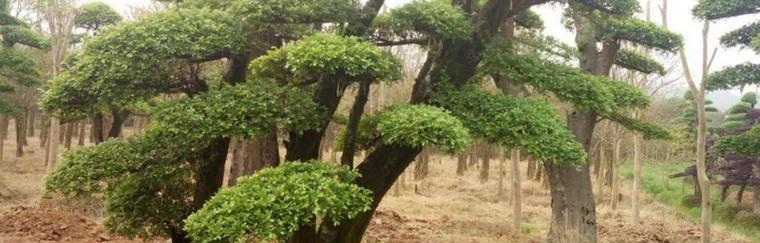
x=30 y=126
x=614 y=172
x=422 y=165
x=740 y=193
x=461 y=164
x=55 y=127
x=636 y=177
x=485 y=156
x=502 y=174
x=82 y=130
x=516 y=191
x=20 y=134
x=117 y=122
x=70 y=127
x=349 y=145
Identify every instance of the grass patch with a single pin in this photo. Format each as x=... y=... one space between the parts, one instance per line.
x=676 y=194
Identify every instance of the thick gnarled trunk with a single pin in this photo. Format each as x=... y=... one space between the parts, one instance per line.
x=573 y=207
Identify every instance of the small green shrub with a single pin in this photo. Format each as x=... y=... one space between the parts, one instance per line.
x=275 y=202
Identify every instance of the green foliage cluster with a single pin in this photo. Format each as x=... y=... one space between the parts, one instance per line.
x=742 y=36
x=633 y=60
x=640 y=32
x=737 y=115
x=17 y=34
x=618 y=7
x=649 y=131
x=15 y=68
x=421 y=125
x=745 y=144
x=136 y=60
x=366 y=134
x=435 y=18
x=259 y=12
x=737 y=76
x=275 y=202
x=532 y=126
x=95 y=15
x=529 y=19
x=751 y=98
x=327 y=57
x=718 y=9
x=148 y=179
x=584 y=91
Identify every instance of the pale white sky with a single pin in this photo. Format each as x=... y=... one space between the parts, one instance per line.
x=679 y=17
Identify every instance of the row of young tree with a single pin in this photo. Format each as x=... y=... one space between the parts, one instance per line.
x=246 y=74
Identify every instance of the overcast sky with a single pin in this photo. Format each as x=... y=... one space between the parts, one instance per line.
x=679 y=17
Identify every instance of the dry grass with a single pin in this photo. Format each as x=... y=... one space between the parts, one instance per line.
x=442 y=208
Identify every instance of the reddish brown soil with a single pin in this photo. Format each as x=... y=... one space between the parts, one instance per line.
x=24 y=224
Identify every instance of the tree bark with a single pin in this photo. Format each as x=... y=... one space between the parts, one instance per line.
x=20 y=122
x=636 y=177
x=30 y=126
x=210 y=174
x=82 y=130
x=614 y=172
x=573 y=208
x=379 y=170
x=422 y=165
x=349 y=144
x=461 y=164
x=117 y=121
x=69 y=135
x=52 y=158
x=516 y=192
x=249 y=156
x=97 y=128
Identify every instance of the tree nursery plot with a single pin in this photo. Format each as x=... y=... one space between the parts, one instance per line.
x=347 y=121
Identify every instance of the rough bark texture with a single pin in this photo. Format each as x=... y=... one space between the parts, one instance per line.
x=461 y=164
x=97 y=128
x=68 y=135
x=349 y=144
x=82 y=129
x=379 y=170
x=117 y=121
x=573 y=208
x=52 y=154
x=249 y=156
x=20 y=122
x=422 y=165
x=516 y=192
x=636 y=177
x=210 y=175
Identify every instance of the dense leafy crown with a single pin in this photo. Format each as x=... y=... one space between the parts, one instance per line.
x=95 y=15
x=136 y=60
x=737 y=76
x=648 y=130
x=327 y=57
x=148 y=178
x=742 y=36
x=294 y=11
x=641 y=32
x=434 y=18
x=532 y=126
x=421 y=125
x=584 y=91
x=15 y=68
x=275 y=202
x=718 y=9
x=633 y=60
x=617 y=7
x=745 y=144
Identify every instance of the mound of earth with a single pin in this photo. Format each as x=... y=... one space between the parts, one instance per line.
x=25 y=224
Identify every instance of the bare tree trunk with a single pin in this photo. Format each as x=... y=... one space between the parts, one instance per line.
x=30 y=125
x=82 y=131
x=55 y=127
x=461 y=164
x=97 y=128
x=756 y=191
x=485 y=157
x=20 y=134
x=502 y=174
x=636 y=177
x=252 y=155
x=3 y=134
x=516 y=191
x=614 y=171
x=422 y=165
x=69 y=135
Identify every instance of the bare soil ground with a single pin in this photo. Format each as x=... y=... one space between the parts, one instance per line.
x=441 y=208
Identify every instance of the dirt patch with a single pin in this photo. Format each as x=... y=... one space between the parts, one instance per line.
x=25 y=224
